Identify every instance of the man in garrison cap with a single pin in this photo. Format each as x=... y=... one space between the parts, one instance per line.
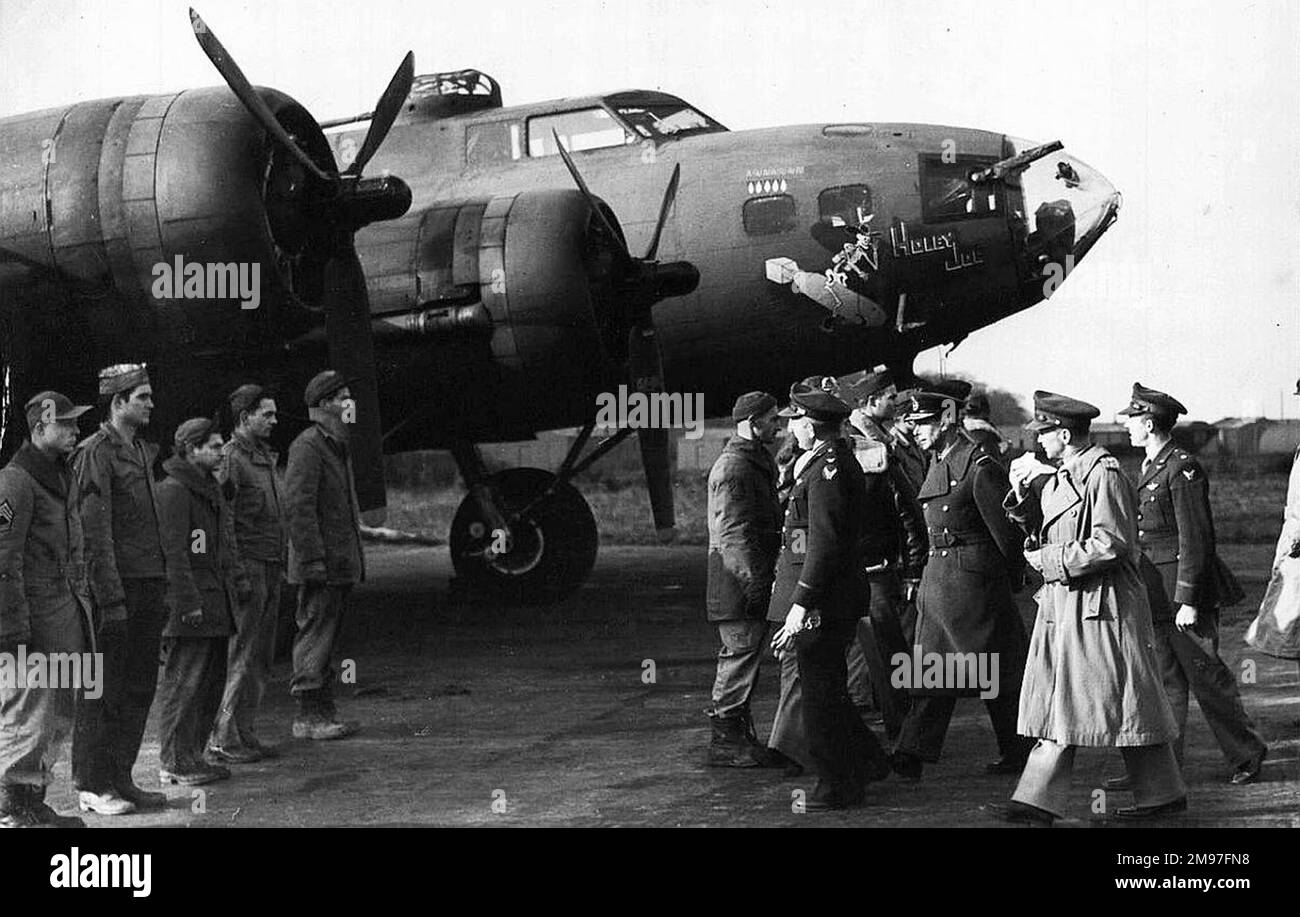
x=819 y=593
x=205 y=584
x=114 y=478
x=1091 y=678
x=325 y=555
x=44 y=607
x=965 y=609
x=744 y=519
x=1176 y=533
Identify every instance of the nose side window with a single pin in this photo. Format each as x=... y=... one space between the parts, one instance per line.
x=948 y=194
x=769 y=215
x=848 y=205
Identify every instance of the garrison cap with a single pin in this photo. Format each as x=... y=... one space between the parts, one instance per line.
x=194 y=432
x=928 y=406
x=816 y=397
x=245 y=398
x=51 y=406
x=752 y=404
x=322 y=385
x=977 y=405
x=1052 y=411
x=122 y=377
x=1149 y=401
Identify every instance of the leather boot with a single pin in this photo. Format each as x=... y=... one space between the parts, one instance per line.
x=313 y=722
x=729 y=746
x=36 y=803
x=15 y=812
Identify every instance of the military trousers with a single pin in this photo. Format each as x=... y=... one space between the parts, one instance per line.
x=880 y=634
x=108 y=732
x=743 y=643
x=36 y=721
x=189 y=695
x=788 y=735
x=844 y=752
x=250 y=654
x=1189 y=663
x=320 y=615
x=926 y=725
x=1045 y=781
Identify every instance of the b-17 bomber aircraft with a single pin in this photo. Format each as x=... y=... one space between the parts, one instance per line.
x=497 y=268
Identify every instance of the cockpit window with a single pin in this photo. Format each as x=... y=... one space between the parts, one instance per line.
x=948 y=194
x=847 y=205
x=658 y=121
x=585 y=129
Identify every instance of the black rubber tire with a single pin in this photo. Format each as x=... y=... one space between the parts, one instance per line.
x=568 y=540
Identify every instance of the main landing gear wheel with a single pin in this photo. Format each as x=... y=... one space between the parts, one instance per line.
x=552 y=546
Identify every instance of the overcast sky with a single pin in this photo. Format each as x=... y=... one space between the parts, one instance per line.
x=1191 y=109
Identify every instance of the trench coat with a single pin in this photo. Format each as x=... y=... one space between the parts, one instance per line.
x=965 y=603
x=1091 y=677
x=1276 y=630
x=744 y=532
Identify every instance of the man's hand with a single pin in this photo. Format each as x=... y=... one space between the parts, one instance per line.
x=798 y=619
x=193 y=618
x=1026 y=468
x=1035 y=559
x=1186 y=618
x=910 y=588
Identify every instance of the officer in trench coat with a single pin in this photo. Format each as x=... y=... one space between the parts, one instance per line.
x=1091 y=678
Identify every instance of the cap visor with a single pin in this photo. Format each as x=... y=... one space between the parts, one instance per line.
x=1131 y=411
x=919 y=416
x=1038 y=426
x=790 y=410
x=73 y=414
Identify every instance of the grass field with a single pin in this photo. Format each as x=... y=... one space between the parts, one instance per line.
x=1247 y=510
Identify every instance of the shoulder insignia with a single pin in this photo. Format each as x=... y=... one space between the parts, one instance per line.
x=1189 y=473
x=829 y=471
x=1110 y=462
x=6 y=517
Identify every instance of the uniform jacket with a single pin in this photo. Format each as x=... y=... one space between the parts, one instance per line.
x=894 y=526
x=1176 y=534
x=903 y=452
x=965 y=604
x=1091 y=676
x=820 y=564
x=744 y=531
x=1277 y=628
x=118 y=515
x=198 y=532
x=322 y=511
x=42 y=564
x=248 y=470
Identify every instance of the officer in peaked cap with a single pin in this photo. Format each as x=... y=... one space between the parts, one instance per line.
x=1176 y=533
x=964 y=605
x=818 y=595
x=1091 y=679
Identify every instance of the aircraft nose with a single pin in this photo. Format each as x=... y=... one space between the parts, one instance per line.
x=1067 y=205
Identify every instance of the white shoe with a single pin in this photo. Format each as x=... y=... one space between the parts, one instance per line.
x=107 y=803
